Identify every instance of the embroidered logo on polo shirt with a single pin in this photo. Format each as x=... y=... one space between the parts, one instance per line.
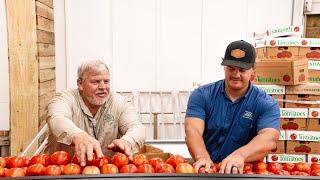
x=247 y=115
x=108 y=119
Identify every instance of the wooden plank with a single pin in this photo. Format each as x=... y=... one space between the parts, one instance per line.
x=4 y=133
x=46 y=62
x=45 y=24
x=23 y=77
x=47 y=74
x=313 y=32
x=47 y=2
x=313 y=20
x=47 y=86
x=45 y=37
x=43 y=115
x=45 y=49
x=44 y=11
x=44 y=99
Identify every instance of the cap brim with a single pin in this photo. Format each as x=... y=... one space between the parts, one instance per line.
x=240 y=64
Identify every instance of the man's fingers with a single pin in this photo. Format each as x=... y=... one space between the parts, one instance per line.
x=83 y=156
x=207 y=167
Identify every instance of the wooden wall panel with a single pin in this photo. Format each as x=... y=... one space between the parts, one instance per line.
x=313 y=26
x=46 y=75
x=46 y=62
x=44 y=10
x=45 y=37
x=22 y=45
x=47 y=86
x=45 y=24
x=45 y=49
x=47 y=2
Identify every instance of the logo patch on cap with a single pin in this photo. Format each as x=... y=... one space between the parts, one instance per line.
x=238 y=53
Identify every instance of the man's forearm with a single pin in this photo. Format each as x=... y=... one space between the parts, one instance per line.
x=197 y=147
x=259 y=146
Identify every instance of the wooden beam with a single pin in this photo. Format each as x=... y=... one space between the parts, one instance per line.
x=46 y=49
x=47 y=2
x=45 y=37
x=46 y=62
x=45 y=24
x=23 y=77
x=46 y=75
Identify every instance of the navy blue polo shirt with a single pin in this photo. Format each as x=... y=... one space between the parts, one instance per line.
x=231 y=125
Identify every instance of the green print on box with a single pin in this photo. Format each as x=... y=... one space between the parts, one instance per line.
x=109 y=119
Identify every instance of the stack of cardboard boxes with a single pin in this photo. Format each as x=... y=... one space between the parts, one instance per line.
x=288 y=68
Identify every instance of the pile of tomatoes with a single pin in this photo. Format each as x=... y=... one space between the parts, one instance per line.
x=298 y=169
x=61 y=163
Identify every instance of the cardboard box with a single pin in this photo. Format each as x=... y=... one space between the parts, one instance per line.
x=307 y=88
x=279 y=72
x=312 y=158
x=302 y=147
x=287 y=31
x=313 y=124
x=303 y=136
x=314 y=76
x=286 y=158
x=280 y=149
x=309 y=52
x=146 y=149
x=301 y=101
x=261 y=53
x=294 y=113
x=283 y=48
x=165 y=156
x=282 y=136
x=272 y=89
x=314 y=112
x=299 y=124
x=278 y=98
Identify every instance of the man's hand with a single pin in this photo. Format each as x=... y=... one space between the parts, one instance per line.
x=232 y=164
x=121 y=146
x=84 y=146
x=206 y=163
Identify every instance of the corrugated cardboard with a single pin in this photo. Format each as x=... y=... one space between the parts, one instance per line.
x=303 y=147
x=146 y=149
x=279 y=98
x=308 y=88
x=279 y=72
x=301 y=101
x=299 y=124
x=314 y=76
x=280 y=148
x=313 y=124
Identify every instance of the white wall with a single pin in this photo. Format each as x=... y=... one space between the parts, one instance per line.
x=162 y=44
x=4 y=78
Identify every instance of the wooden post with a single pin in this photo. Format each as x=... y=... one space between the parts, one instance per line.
x=23 y=69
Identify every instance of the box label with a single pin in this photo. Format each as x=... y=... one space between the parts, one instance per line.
x=286 y=31
x=314 y=65
x=272 y=89
x=293 y=112
x=314 y=112
x=286 y=158
x=303 y=135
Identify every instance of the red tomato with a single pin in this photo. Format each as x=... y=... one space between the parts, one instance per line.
x=27 y=163
x=248 y=172
x=52 y=170
x=262 y=171
x=288 y=167
x=15 y=172
x=120 y=160
x=174 y=160
x=315 y=166
x=260 y=165
x=91 y=170
x=62 y=167
x=60 y=158
x=16 y=162
x=247 y=166
x=109 y=169
x=99 y=162
x=165 y=168
x=35 y=170
x=212 y=170
x=155 y=162
x=302 y=167
x=76 y=161
x=129 y=168
x=2 y=171
x=315 y=172
x=145 y=168
x=140 y=159
x=184 y=168
x=273 y=167
x=43 y=159
x=298 y=173
x=2 y=162
x=72 y=168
